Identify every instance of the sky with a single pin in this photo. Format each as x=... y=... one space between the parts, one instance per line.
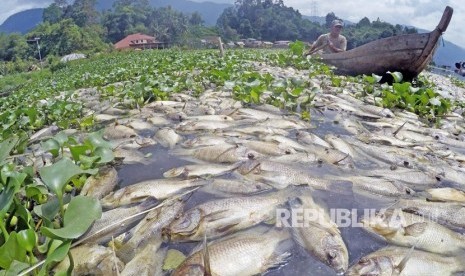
x=422 y=14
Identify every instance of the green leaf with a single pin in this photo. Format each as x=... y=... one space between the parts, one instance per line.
x=77 y=151
x=76 y=222
x=15 y=268
x=61 y=137
x=6 y=147
x=27 y=239
x=56 y=176
x=8 y=194
x=56 y=255
x=49 y=210
x=397 y=76
x=88 y=161
x=11 y=251
x=96 y=140
x=52 y=146
x=106 y=155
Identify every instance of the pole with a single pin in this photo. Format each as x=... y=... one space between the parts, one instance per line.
x=38 y=48
x=36 y=40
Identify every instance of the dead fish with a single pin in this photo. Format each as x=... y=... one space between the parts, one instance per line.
x=268 y=148
x=281 y=175
x=401 y=261
x=220 y=217
x=405 y=229
x=140 y=125
x=416 y=178
x=449 y=214
x=220 y=118
x=156 y=188
x=117 y=131
x=310 y=139
x=222 y=153
x=254 y=252
x=133 y=143
x=149 y=229
x=250 y=113
x=201 y=170
x=147 y=261
x=105 y=118
x=299 y=157
x=167 y=137
x=108 y=225
x=321 y=236
x=91 y=259
x=100 y=185
x=202 y=141
x=236 y=186
x=378 y=186
x=446 y=194
x=194 y=126
x=158 y=121
x=44 y=133
x=132 y=156
x=283 y=124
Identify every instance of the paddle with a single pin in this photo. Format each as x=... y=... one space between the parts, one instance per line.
x=317 y=49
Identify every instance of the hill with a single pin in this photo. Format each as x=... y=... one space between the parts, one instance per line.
x=25 y=21
x=22 y=22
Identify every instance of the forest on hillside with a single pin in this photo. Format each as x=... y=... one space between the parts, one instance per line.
x=79 y=27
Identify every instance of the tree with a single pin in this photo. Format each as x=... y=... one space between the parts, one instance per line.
x=196 y=19
x=83 y=12
x=364 y=22
x=52 y=14
x=61 y=3
x=330 y=17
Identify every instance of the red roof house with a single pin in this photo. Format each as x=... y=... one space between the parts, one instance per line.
x=138 y=41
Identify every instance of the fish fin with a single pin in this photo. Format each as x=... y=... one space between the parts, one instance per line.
x=215 y=215
x=401 y=266
x=126 y=253
x=415 y=229
x=398 y=129
x=280 y=256
x=128 y=236
x=206 y=257
x=227 y=227
x=297 y=237
x=148 y=203
x=276 y=261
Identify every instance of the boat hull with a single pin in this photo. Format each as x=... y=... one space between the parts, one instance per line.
x=408 y=54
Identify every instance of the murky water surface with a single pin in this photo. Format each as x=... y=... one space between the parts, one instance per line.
x=358 y=241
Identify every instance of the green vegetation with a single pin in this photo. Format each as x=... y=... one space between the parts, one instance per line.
x=271 y=20
x=79 y=27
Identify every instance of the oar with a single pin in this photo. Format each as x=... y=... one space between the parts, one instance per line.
x=317 y=49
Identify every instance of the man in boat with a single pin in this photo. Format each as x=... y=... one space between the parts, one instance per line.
x=332 y=42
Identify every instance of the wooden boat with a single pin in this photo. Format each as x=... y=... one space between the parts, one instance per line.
x=408 y=54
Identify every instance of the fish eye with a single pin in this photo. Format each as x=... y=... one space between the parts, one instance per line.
x=287 y=151
x=251 y=156
x=364 y=261
x=332 y=255
x=406 y=163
